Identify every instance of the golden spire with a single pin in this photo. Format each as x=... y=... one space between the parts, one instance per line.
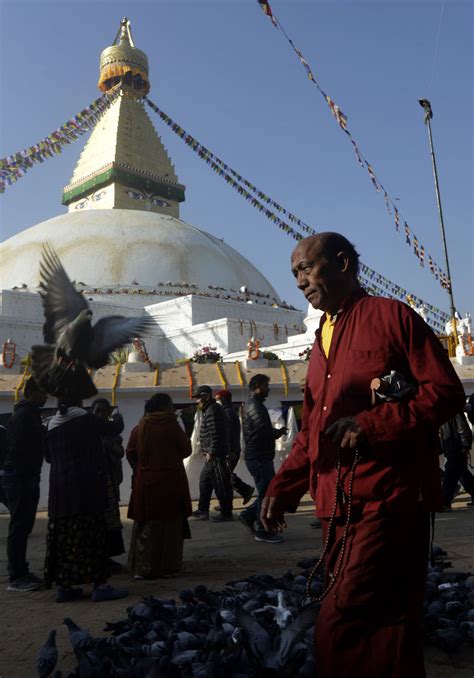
x=124 y=64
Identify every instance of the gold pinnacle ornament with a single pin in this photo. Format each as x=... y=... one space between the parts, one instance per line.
x=124 y=64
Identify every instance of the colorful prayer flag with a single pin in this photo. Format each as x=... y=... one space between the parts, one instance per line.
x=265 y=5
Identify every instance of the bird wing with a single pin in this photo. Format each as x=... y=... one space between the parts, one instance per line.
x=295 y=631
x=258 y=641
x=61 y=301
x=112 y=332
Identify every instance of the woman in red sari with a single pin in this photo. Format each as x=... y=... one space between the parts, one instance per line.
x=160 y=503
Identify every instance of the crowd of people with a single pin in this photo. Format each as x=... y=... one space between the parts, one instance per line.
x=381 y=401
x=84 y=450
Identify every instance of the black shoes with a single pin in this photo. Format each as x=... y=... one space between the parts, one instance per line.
x=222 y=517
x=200 y=515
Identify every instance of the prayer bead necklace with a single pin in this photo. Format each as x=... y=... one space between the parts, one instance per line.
x=338 y=567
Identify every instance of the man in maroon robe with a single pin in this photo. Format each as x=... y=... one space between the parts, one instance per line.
x=379 y=463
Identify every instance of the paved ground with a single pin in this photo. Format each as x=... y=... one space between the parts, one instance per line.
x=216 y=554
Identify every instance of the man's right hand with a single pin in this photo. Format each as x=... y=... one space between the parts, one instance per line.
x=271 y=516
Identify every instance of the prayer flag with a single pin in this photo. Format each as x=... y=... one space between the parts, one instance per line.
x=397 y=219
x=407 y=234
x=372 y=176
x=304 y=62
x=266 y=9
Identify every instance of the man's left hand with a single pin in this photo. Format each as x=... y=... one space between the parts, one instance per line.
x=345 y=433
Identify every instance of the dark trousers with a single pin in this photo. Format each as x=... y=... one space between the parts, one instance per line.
x=262 y=473
x=238 y=484
x=456 y=470
x=370 y=623
x=215 y=476
x=23 y=496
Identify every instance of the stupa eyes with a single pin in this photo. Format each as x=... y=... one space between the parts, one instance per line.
x=98 y=196
x=148 y=197
x=158 y=202
x=81 y=205
x=136 y=195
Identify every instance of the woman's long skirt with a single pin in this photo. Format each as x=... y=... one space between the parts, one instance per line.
x=76 y=551
x=156 y=548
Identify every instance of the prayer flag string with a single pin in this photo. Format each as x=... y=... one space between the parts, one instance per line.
x=15 y=166
x=342 y=121
x=369 y=278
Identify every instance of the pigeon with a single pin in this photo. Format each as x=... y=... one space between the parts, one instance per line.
x=47 y=656
x=289 y=650
x=73 y=344
x=81 y=640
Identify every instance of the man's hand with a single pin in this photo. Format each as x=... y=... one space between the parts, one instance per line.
x=346 y=433
x=271 y=515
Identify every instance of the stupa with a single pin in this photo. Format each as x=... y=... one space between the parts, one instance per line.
x=123 y=243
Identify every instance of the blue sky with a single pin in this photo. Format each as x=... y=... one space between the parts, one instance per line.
x=222 y=71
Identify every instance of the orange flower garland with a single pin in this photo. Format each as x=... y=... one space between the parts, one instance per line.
x=239 y=373
x=221 y=375
x=285 y=376
x=191 y=382
x=114 y=385
x=8 y=354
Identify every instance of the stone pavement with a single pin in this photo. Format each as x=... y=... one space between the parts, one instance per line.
x=216 y=554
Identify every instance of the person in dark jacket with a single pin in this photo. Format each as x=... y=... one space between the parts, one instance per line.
x=113 y=449
x=469 y=408
x=215 y=473
x=76 y=541
x=456 y=440
x=224 y=398
x=3 y=454
x=21 y=482
x=259 y=437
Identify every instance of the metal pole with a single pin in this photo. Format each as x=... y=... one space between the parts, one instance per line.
x=428 y=115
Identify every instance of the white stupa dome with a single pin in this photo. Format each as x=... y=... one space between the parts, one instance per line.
x=122 y=233
x=120 y=248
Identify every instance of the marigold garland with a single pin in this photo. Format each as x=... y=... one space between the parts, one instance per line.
x=284 y=375
x=221 y=375
x=23 y=379
x=157 y=372
x=190 y=377
x=115 y=382
x=9 y=347
x=239 y=373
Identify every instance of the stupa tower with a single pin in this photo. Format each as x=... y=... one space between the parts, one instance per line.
x=124 y=164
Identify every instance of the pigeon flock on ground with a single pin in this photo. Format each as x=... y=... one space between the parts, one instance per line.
x=257 y=627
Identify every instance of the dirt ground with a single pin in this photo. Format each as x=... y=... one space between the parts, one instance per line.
x=216 y=554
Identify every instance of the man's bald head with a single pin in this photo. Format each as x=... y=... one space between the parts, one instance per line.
x=325 y=266
x=329 y=244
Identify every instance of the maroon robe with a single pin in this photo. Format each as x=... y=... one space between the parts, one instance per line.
x=160 y=487
x=398 y=467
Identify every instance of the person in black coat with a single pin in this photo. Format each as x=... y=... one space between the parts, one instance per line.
x=224 y=398
x=77 y=541
x=456 y=440
x=215 y=473
x=259 y=437
x=21 y=482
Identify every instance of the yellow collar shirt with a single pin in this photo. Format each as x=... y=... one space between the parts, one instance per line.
x=327 y=332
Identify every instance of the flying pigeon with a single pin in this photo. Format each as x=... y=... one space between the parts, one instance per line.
x=72 y=342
